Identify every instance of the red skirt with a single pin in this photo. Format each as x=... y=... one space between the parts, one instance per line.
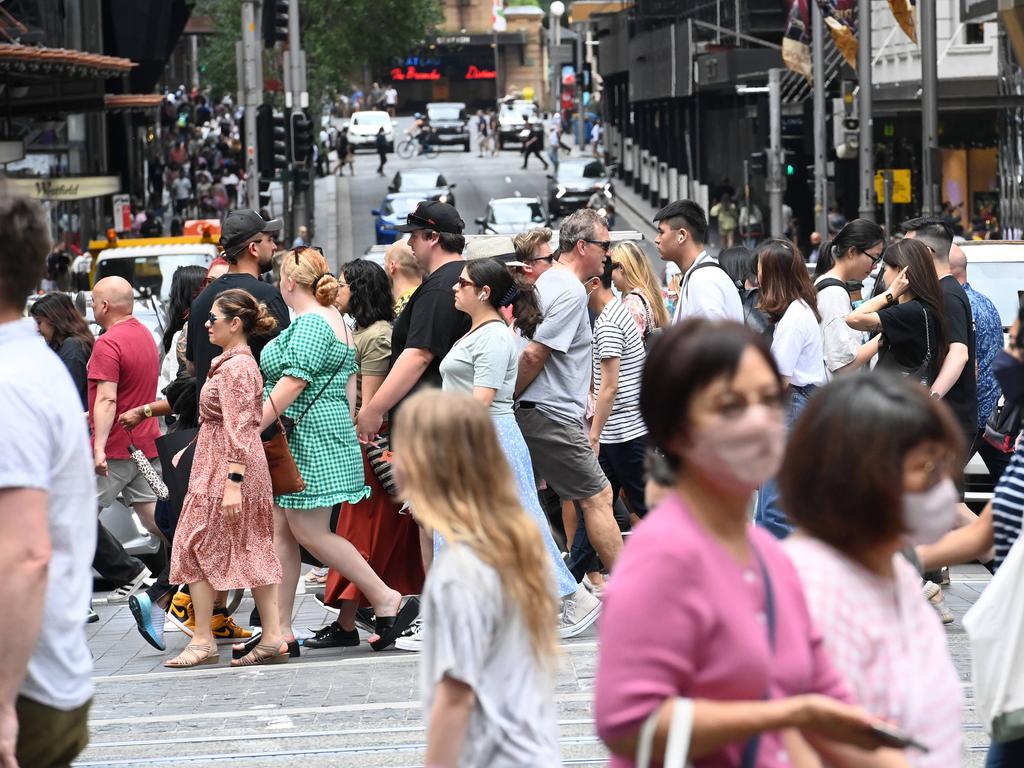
x=389 y=541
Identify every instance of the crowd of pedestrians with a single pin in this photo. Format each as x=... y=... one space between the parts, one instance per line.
x=463 y=438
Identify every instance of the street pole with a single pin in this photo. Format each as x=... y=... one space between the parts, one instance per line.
x=820 y=172
x=251 y=85
x=866 y=146
x=929 y=108
x=887 y=198
x=497 y=72
x=775 y=185
x=298 y=100
x=580 y=122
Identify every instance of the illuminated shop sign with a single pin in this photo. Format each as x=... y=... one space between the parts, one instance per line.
x=413 y=73
x=480 y=74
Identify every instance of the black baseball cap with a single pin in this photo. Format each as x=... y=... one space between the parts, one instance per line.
x=431 y=214
x=241 y=226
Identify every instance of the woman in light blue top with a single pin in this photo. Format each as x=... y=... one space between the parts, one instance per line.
x=485 y=363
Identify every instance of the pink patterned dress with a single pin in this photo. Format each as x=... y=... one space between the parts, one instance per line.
x=208 y=545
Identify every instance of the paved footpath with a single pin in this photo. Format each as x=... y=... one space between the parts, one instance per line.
x=340 y=707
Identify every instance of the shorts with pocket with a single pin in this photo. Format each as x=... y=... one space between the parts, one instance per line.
x=124 y=478
x=561 y=455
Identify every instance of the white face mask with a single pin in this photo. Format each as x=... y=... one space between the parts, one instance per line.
x=930 y=515
x=740 y=454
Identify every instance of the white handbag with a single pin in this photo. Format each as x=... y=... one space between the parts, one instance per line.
x=679 y=732
x=995 y=625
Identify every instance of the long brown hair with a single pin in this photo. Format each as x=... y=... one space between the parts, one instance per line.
x=924 y=284
x=59 y=311
x=639 y=276
x=455 y=475
x=783 y=279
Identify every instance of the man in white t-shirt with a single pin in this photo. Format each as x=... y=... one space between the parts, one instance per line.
x=706 y=289
x=47 y=520
x=391 y=99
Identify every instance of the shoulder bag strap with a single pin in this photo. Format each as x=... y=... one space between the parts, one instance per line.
x=927 y=338
x=322 y=390
x=750 y=750
x=648 y=316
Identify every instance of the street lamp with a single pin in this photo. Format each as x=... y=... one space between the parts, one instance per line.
x=556 y=9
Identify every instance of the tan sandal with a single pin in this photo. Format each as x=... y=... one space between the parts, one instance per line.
x=194 y=656
x=264 y=653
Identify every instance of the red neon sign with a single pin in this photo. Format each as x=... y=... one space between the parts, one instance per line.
x=480 y=74
x=411 y=73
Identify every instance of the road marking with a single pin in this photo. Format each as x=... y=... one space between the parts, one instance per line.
x=380 y=706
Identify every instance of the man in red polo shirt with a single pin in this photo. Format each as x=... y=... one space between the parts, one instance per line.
x=123 y=372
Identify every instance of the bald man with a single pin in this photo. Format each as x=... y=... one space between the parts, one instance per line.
x=123 y=372
x=404 y=273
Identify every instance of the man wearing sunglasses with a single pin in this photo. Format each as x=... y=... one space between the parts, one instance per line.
x=554 y=380
x=248 y=242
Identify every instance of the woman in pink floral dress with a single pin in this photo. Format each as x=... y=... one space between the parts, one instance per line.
x=225 y=537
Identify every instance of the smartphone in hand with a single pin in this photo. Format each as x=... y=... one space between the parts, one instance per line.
x=892 y=736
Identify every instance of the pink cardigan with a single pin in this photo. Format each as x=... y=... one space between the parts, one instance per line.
x=682 y=617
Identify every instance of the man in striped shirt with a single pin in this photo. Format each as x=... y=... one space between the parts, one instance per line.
x=618 y=434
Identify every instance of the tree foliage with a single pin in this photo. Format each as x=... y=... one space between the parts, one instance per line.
x=347 y=42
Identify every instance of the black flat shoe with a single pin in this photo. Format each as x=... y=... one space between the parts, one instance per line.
x=252 y=642
x=332 y=636
x=388 y=628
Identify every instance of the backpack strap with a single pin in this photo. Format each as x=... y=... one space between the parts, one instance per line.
x=828 y=282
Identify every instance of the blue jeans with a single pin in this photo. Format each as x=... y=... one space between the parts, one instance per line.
x=769 y=514
x=1007 y=754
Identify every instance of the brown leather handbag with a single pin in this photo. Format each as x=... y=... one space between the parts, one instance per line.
x=284 y=474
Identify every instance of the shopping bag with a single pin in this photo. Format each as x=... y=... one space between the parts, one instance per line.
x=995 y=625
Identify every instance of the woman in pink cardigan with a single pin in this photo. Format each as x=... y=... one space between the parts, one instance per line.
x=703 y=607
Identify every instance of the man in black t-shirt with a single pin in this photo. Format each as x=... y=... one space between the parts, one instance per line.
x=430 y=324
x=957 y=381
x=248 y=242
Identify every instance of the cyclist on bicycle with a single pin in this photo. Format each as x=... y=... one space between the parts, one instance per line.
x=421 y=131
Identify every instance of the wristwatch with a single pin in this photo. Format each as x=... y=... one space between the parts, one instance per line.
x=236 y=477
x=889 y=299
x=147 y=411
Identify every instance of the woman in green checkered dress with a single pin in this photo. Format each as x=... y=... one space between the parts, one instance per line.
x=317 y=353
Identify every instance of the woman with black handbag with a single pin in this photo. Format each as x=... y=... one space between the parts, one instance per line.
x=310 y=377
x=909 y=314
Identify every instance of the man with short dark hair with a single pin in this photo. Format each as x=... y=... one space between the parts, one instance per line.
x=248 y=242
x=47 y=519
x=706 y=289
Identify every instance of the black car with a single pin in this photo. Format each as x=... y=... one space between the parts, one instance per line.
x=432 y=184
x=448 y=124
x=576 y=179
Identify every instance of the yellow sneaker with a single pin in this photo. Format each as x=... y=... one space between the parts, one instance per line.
x=180 y=615
x=224 y=627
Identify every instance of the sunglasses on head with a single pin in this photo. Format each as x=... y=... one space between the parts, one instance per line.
x=316 y=248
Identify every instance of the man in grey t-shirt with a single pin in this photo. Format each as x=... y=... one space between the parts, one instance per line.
x=554 y=378
x=47 y=520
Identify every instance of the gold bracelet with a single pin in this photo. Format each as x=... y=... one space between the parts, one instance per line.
x=147 y=411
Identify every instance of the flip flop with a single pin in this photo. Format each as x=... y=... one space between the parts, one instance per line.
x=191 y=657
x=388 y=628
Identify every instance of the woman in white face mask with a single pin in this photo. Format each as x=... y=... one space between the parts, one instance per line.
x=705 y=621
x=867 y=473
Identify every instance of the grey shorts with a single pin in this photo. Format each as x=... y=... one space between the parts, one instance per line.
x=561 y=455
x=124 y=478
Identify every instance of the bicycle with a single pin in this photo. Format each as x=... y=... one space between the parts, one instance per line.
x=410 y=147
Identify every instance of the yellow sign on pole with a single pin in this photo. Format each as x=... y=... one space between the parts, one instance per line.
x=900 y=185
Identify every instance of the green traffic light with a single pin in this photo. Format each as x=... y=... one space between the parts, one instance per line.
x=790 y=170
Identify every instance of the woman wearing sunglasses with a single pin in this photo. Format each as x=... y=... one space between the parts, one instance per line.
x=852 y=255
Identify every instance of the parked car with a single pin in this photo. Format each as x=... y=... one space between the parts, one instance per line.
x=363 y=128
x=448 y=123
x=427 y=181
x=512 y=215
x=392 y=212
x=513 y=116
x=576 y=179
x=150 y=268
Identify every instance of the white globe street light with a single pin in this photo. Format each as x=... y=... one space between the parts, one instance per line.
x=556 y=10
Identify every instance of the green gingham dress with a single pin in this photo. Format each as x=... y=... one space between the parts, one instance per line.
x=324 y=444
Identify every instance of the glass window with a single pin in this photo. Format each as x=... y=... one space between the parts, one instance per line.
x=1002 y=282
x=150 y=274
x=517 y=212
x=445 y=112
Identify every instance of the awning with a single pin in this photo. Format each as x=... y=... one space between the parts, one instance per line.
x=132 y=101
x=63 y=188
x=34 y=60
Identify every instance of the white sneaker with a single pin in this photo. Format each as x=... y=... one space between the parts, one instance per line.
x=579 y=611
x=122 y=593
x=597 y=590
x=933 y=593
x=412 y=638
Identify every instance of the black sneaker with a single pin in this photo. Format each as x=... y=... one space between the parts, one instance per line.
x=332 y=636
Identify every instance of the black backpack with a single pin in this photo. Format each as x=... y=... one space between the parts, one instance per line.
x=828 y=282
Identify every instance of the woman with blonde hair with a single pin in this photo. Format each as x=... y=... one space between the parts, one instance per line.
x=489 y=644
x=633 y=277
x=310 y=378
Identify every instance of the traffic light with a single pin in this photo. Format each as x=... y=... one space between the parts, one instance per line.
x=302 y=137
x=300 y=180
x=757 y=164
x=271 y=141
x=274 y=24
x=264 y=193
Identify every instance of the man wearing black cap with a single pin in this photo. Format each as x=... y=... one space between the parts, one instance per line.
x=248 y=242
x=429 y=325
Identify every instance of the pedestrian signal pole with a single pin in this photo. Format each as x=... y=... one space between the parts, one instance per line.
x=776 y=184
x=250 y=80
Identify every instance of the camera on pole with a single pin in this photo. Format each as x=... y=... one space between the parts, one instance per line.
x=274 y=24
